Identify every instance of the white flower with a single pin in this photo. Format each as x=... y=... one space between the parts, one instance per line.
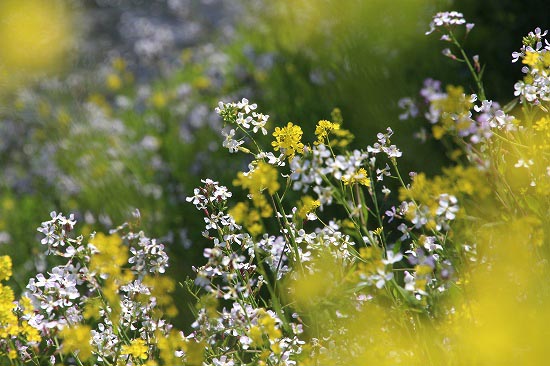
x=523 y=164
x=392 y=257
x=447 y=206
x=381 y=278
x=259 y=122
x=230 y=143
x=447 y=19
x=410 y=284
x=243 y=104
x=410 y=110
x=223 y=361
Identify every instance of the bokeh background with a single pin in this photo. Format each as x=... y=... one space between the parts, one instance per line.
x=107 y=106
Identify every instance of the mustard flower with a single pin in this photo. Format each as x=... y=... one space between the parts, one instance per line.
x=5 y=267
x=358 y=177
x=306 y=207
x=137 y=349
x=263 y=177
x=77 y=339
x=323 y=129
x=288 y=140
x=111 y=255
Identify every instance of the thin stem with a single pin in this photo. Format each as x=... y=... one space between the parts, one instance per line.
x=476 y=75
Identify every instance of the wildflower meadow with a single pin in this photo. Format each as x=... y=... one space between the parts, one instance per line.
x=160 y=205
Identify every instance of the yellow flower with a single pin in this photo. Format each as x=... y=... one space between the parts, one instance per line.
x=77 y=339
x=342 y=138
x=531 y=58
x=186 y=55
x=270 y=327
x=201 y=82
x=119 y=64
x=159 y=100
x=169 y=344
x=8 y=322
x=5 y=267
x=423 y=269
x=288 y=140
x=137 y=349
x=35 y=35
x=255 y=333
x=194 y=353
x=438 y=132
x=239 y=212
x=111 y=257
x=113 y=82
x=250 y=218
x=31 y=333
x=161 y=287
x=266 y=326
x=454 y=110
x=12 y=354
x=92 y=308
x=306 y=205
x=359 y=177
x=8 y=204
x=262 y=178
x=336 y=116
x=323 y=129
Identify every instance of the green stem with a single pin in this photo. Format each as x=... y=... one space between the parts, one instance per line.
x=286 y=227
x=476 y=75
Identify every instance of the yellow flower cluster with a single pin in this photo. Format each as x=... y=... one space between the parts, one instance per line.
x=8 y=320
x=342 y=137
x=459 y=181
x=116 y=79
x=169 y=344
x=359 y=177
x=454 y=110
x=137 y=349
x=288 y=140
x=249 y=217
x=371 y=261
x=112 y=255
x=307 y=205
x=161 y=287
x=537 y=60
x=265 y=330
x=10 y=324
x=77 y=339
x=5 y=268
x=323 y=129
x=262 y=178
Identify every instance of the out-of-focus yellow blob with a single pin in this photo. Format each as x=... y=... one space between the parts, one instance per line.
x=34 y=36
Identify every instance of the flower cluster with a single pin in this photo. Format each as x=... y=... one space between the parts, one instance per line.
x=100 y=304
x=235 y=272
x=451 y=112
x=535 y=86
x=288 y=140
x=242 y=116
x=321 y=263
x=448 y=20
x=235 y=267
